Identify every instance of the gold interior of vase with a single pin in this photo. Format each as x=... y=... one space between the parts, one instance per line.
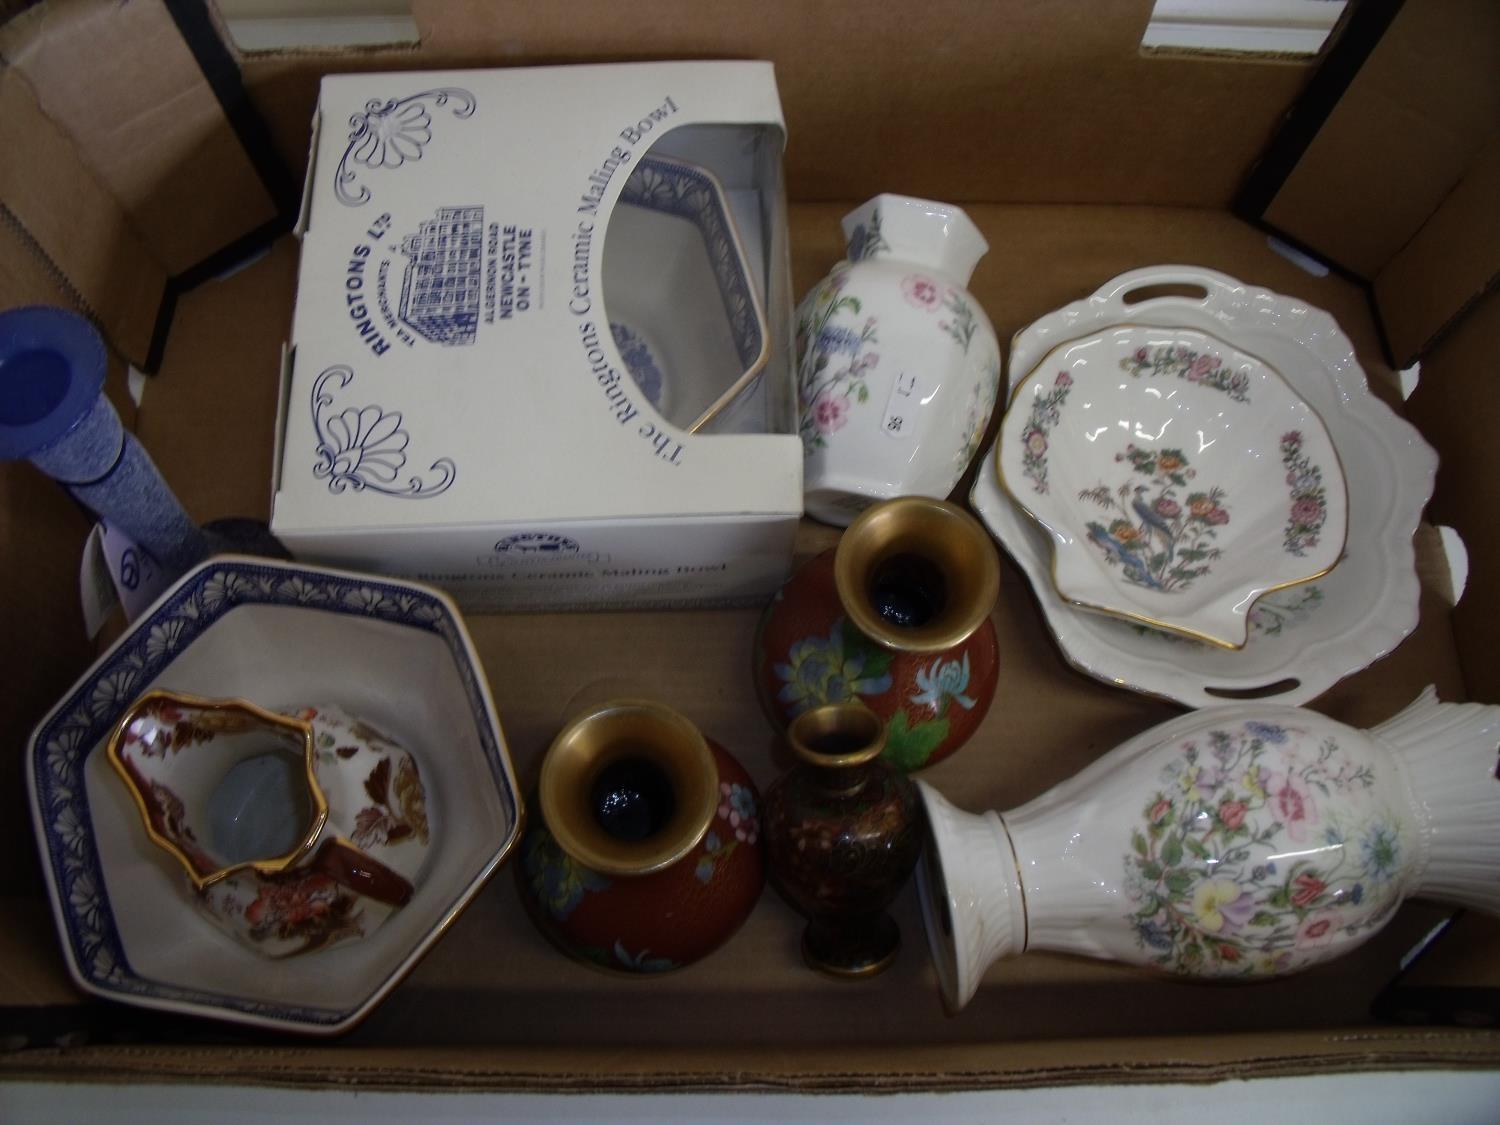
x=628 y=731
x=837 y=735
x=939 y=534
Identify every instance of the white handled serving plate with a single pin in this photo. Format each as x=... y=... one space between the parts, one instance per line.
x=1302 y=640
x=1179 y=477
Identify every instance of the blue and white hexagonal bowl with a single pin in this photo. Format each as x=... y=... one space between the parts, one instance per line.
x=395 y=653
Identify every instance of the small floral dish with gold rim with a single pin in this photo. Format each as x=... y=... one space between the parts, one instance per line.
x=424 y=758
x=1179 y=478
x=296 y=830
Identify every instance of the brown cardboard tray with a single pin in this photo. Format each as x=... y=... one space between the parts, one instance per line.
x=495 y=1006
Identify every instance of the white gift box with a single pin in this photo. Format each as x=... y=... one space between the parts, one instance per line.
x=540 y=355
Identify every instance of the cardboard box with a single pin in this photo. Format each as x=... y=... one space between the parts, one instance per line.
x=1078 y=158
x=1389 y=165
x=540 y=355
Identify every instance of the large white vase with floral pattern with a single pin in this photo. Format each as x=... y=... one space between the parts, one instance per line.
x=897 y=364
x=1246 y=841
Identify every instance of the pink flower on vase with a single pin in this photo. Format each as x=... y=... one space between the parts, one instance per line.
x=1307 y=888
x=921 y=291
x=1063 y=379
x=830 y=412
x=1159 y=811
x=1142 y=355
x=1232 y=813
x=1201 y=367
x=1317 y=929
x=1294 y=807
x=1217 y=516
x=1036 y=442
x=1307 y=511
x=1167 y=509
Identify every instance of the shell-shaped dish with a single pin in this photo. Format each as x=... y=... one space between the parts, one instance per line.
x=1302 y=640
x=1179 y=478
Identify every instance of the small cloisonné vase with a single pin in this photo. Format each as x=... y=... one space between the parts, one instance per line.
x=897 y=365
x=895 y=617
x=647 y=854
x=1240 y=842
x=843 y=831
x=297 y=830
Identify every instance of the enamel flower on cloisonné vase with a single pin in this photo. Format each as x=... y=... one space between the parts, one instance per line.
x=740 y=816
x=832 y=669
x=558 y=881
x=1181 y=362
x=941 y=685
x=1309 y=500
x=836 y=351
x=1046 y=412
x=1258 y=856
x=1161 y=539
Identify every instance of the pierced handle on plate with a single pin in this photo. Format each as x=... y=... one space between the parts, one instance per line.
x=1125 y=294
x=1264 y=691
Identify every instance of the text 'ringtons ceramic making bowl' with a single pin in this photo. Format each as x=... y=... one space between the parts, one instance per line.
x=1179 y=478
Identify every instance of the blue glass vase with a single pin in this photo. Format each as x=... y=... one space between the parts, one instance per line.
x=53 y=413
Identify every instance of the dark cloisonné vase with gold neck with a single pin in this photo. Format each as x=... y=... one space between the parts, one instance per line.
x=647 y=853
x=897 y=617
x=843 y=832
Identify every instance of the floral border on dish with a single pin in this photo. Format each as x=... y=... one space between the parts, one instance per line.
x=1113 y=567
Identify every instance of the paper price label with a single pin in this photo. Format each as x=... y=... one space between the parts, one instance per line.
x=117 y=571
x=907 y=395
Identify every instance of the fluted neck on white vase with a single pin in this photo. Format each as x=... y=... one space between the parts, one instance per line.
x=923 y=232
x=1449 y=753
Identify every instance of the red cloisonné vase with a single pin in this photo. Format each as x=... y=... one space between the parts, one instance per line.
x=843 y=831
x=896 y=617
x=647 y=854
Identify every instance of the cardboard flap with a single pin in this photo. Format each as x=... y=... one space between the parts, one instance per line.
x=73 y=228
x=1392 y=187
x=1448 y=264
x=146 y=121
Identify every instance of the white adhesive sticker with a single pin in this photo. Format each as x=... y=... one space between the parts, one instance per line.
x=907 y=394
x=96 y=589
x=137 y=577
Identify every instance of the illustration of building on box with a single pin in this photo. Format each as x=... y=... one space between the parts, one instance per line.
x=440 y=292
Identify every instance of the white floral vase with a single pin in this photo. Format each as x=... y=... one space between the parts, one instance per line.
x=1246 y=841
x=898 y=365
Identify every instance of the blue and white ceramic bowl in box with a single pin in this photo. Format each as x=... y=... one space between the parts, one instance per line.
x=395 y=653
x=684 y=309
